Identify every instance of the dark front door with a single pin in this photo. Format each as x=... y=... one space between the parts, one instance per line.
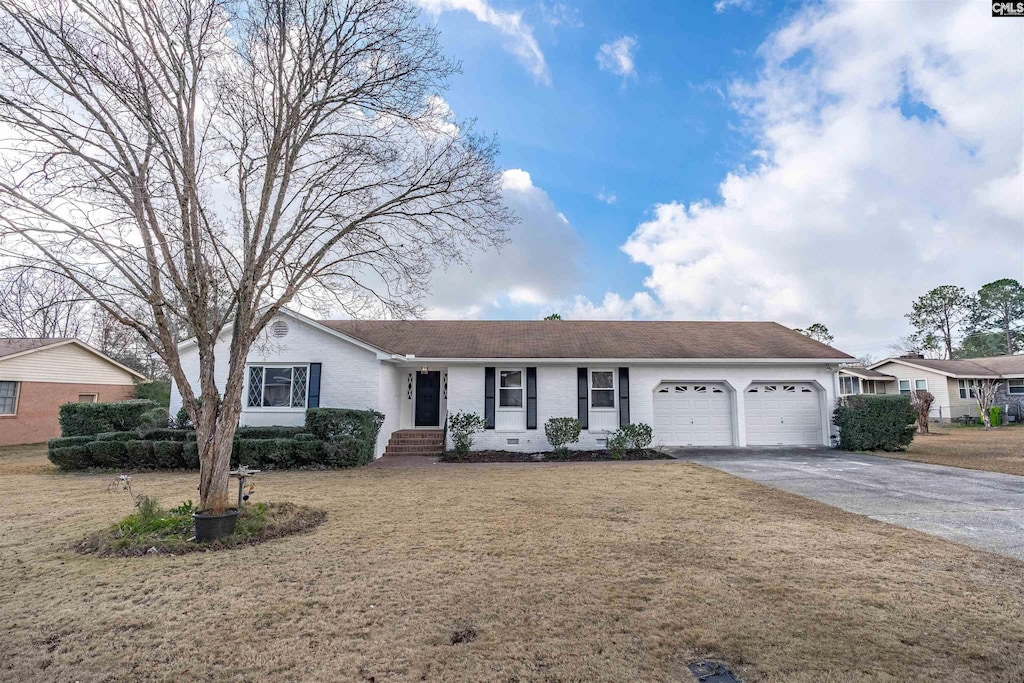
x=428 y=399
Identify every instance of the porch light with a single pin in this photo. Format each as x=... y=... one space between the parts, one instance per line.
x=424 y=370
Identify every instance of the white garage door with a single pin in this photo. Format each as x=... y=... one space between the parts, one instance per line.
x=691 y=414
x=783 y=414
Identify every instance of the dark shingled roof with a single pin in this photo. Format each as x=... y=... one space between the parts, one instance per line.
x=14 y=345
x=867 y=374
x=1004 y=365
x=583 y=339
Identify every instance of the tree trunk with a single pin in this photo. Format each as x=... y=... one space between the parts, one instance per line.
x=216 y=438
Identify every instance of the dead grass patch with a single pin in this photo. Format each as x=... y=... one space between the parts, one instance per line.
x=610 y=572
x=1000 y=449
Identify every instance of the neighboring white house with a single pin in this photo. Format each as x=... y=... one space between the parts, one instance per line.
x=951 y=382
x=695 y=383
x=854 y=379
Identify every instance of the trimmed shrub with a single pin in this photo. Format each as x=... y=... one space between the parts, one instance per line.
x=74 y=457
x=190 y=455
x=139 y=454
x=268 y=432
x=158 y=391
x=347 y=451
x=628 y=439
x=995 y=416
x=167 y=455
x=113 y=436
x=875 y=423
x=328 y=424
x=562 y=431
x=308 y=452
x=461 y=427
x=263 y=454
x=107 y=454
x=154 y=419
x=168 y=435
x=87 y=419
x=65 y=441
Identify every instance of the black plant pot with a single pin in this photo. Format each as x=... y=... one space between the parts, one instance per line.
x=210 y=527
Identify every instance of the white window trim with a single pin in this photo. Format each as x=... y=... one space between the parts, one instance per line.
x=274 y=409
x=614 y=390
x=899 y=386
x=522 y=390
x=1010 y=387
x=17 y=398
x=859 y=388
x=95 y=397
x=961 y=387
x=922 y=379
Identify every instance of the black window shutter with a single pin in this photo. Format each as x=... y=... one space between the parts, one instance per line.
x=531 y=398
x=583 y=389
x=489 y=398
x=314 y=386
x=623 y=397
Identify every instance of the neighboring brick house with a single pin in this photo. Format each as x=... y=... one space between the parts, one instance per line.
x=37 y=376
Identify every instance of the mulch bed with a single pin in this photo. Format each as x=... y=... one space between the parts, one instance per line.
x=574 y=456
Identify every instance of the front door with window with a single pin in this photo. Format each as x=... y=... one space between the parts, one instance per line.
x=428 y=399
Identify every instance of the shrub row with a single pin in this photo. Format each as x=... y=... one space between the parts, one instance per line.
x=87 y=419
x=875 y=423
x=353 y=437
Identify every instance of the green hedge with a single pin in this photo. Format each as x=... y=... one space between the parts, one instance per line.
x=88 y=419
x=875 y=423
x=354 y=436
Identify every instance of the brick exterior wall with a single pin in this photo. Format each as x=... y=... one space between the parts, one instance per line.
x=39 y=405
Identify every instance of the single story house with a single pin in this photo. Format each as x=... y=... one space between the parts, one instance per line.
x=695 y=383
x=951 y=382
x=37 y=376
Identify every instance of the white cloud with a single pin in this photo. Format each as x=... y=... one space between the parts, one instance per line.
x=538 y=266
x=613 y=307
x=607 y=197
x=617 y=57
x=520 y=39
x=559 y=14
x=722 y=5
x=852 y=209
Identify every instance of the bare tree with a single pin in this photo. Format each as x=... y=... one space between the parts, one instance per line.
x=817 y=332
x=985 y=391
x=41 y=303
x=199 y=164
x=922 y=401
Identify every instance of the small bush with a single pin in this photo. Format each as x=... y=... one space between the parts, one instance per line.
x=87 y=419
x=875 y=423
x=995 y=416
x=154 y=419
x=630 y=439
x=562 y=431
x=181 y=420
x=461 y=427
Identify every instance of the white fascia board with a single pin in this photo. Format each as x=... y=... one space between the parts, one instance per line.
x=636 y=361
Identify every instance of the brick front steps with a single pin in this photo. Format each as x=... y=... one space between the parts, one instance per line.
x=416 y=442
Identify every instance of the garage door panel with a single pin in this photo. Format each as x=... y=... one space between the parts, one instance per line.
x=786 y=414
x=692 y=414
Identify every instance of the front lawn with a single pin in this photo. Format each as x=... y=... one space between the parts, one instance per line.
x=1000 y=449
x=610 y=572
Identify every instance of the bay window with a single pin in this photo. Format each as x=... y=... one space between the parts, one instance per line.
x=277 y=386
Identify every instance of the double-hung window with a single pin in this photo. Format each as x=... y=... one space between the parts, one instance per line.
x=510 y=389
x=602 y=388
x=921 y=384
x=905 y=387
x=8 y=398
x=1015 y=386
x=848 y=385
x=277 y=386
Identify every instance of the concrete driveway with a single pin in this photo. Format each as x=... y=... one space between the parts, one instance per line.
x=981 y=509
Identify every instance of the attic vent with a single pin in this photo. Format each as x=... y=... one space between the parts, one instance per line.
x=279 y=329
x=512 y=442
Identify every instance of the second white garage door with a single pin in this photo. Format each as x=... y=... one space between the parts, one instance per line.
x=783 y=414
x=692 y=414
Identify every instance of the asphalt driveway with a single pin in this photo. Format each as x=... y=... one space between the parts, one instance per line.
x=981 y=509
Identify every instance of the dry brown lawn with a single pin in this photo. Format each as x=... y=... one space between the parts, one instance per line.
x=577 y=572
x=994 y=450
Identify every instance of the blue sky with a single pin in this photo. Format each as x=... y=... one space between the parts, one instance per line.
x=742 y=161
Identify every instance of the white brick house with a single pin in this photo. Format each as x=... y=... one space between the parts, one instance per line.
x=695 y=383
